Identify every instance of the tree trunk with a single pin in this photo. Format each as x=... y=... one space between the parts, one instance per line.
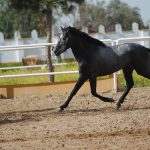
x=49 y=38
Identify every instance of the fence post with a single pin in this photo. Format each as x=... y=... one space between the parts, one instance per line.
x=149 y=32
x=101 y=29
x=118 y=28
x=115 y=74
x=141 y=34
x=135 y=27
x=34 y=35
x=85 y=29
x=17 y=38
x=1 y=43
x=1 y=37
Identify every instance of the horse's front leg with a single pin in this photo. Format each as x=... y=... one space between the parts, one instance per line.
x=94 y=93
x=79 y=83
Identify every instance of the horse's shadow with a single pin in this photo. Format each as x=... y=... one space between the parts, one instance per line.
x=134 y=109
x=39 y=114
x=23 y=116
x=8 y=121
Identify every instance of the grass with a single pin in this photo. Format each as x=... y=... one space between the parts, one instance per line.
x=138 y=80
x=39 y=79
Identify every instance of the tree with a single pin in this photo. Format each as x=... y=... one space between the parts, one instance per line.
x=92 y=15
x=109 y=15
x=23 y=21
x=45 y=7
x=122 y=13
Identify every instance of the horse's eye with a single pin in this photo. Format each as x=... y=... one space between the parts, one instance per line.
x=61 y=35
x=64 y=38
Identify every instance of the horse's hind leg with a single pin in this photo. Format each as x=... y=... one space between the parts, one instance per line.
x=129 y=84
x=94 y=93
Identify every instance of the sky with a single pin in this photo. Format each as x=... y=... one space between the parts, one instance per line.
x=144 y=6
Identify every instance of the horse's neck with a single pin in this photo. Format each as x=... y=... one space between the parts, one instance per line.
x=79 y=51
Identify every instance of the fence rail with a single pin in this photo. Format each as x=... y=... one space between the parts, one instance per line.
x=32 y=66
x=25 y=47
x=135 y=39
x=38 y=74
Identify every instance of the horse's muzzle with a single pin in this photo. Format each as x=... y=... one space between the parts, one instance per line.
x=56 y=53
x=54 y=49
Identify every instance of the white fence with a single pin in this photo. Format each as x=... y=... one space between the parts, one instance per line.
x=17 y=55
x=34 y=46
x=135 y=39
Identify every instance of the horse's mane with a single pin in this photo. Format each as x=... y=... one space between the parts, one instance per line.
x=86 y=36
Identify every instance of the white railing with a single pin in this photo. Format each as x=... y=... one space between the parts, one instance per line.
x=135 y=39
x=35 y=46
x=32 y=66
x=25 y=47
x=38 y=74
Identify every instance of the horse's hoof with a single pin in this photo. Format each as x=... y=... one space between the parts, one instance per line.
x=61 y=109
x=112 y=100
x=118 y=106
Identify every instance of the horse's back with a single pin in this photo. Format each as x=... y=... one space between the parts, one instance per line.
x=127 y=55
x=107 y=60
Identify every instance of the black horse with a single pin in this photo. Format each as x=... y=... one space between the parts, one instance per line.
x=96 y=59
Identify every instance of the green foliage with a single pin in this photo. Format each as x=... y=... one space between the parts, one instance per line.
x=120 y=12
x=23 y=21
x=40 y=79
x=92 y=14
x=139 y=81
x=26 y=15
x=2 y=65
x=110 y=15
x=25 y=4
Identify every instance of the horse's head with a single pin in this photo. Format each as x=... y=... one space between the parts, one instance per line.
x=63 y=43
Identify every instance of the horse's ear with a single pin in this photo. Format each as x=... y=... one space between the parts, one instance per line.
x=69 y=28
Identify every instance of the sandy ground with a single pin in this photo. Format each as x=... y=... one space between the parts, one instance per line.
x=87 y=124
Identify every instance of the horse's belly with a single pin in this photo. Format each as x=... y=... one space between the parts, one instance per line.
x=109 y=66
x=104 y=70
